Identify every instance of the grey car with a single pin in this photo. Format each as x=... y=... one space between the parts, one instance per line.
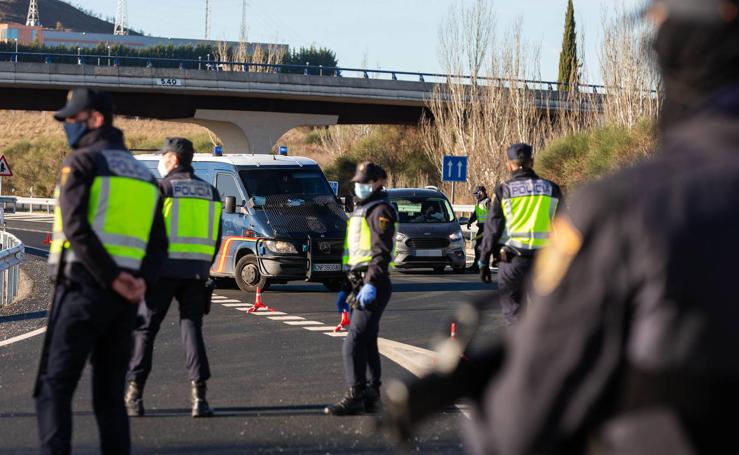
x=429 y=235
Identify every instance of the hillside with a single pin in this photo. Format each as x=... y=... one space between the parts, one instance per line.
x=53 y=11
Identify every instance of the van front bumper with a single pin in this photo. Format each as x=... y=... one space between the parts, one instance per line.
x=296 y=268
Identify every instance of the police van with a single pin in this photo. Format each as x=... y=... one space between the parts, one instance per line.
x=281 y=219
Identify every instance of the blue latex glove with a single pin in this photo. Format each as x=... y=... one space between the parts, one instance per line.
x=367 y=295
x=341 y=304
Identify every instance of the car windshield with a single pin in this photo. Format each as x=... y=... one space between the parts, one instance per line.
x=417 y=210
x=275 y=182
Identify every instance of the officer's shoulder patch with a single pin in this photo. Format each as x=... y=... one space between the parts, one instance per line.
x=554 y=260
x=66 y=170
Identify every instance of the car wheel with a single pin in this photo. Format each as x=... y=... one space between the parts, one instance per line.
x=459 y=270
x=248 y=277
x=439 y=269
x=333 y=285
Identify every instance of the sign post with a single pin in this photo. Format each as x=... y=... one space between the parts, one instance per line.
x=454 y=169
x=4 y=171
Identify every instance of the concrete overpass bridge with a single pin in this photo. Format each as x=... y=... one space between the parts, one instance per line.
x=248 y=110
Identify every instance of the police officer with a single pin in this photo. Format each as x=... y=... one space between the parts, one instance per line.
x=368 y=255
x=108 y=244
x=518 y=227
x=482 y=208
x=630 y=346
x=192 y=214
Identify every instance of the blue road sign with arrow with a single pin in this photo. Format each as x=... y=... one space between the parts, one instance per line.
x=454 y=169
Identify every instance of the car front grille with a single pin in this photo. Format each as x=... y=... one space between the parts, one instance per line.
x=328 y=248
x=427 y=244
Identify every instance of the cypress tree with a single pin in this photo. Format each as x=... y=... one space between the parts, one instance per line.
x=569 y=66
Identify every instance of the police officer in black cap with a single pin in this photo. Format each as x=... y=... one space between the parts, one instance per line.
x=367 y=259
x=518 y=227
x=108 y=245
x=480 y=214
x=192 y=214
x=630 y=345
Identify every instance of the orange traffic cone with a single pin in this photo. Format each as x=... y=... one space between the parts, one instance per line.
x=344 y=321
x=258 y=304
x=453 y=330
x=47 y=240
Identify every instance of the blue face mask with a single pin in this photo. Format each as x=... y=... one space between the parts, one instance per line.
x=75 y=131
x=362 y=190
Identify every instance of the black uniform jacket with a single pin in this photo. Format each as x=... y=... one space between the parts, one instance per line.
x=631 y=339
x=495 y=226
x=187 y=268
x=96 y=266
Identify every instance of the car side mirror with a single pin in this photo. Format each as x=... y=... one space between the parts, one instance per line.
x=349 y=203
x=229 y=204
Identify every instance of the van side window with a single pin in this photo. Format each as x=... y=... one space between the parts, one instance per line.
x=226 y=186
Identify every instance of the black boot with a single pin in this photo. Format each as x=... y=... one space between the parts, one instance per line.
x=372 y=400
x=351 y=404
x=134 y=399
x=200 y=407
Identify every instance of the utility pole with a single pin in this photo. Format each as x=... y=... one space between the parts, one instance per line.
x=207 y=19
x=33 y=20
x=242 y=34
x=121 y=18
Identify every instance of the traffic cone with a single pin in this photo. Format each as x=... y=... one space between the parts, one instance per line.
x=453 y=330
x=258 y=304
x=47 y=240
x=344 y=321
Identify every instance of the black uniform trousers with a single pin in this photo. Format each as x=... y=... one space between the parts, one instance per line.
x=86 y=321
x=360 y=350
x=511 y=286
x=192 y=298
x=478 y=243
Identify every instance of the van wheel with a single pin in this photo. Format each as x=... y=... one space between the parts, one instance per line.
x=459 y=270
x=248 y=277
x=440 y=269
x=333 y=285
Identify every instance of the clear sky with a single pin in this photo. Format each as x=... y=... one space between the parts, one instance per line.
x=387 y=34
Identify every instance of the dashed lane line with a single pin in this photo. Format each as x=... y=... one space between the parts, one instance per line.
x=286 y=318
x=263 y=313
x=236 y=305
x=337 y=334
x=303 y=323
x=323 y=328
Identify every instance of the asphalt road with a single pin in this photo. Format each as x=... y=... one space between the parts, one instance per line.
x=272 y=374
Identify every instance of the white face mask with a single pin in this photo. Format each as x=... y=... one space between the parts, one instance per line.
x=362 y=190
x=162 y=167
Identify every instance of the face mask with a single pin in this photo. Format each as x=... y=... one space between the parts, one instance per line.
x=75 y=132
x=362 y=190
x=162 y=167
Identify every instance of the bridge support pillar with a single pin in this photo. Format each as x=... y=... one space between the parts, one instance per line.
x=251 y=131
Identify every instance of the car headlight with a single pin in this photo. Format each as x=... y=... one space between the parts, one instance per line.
x=400 y=237
x=456 y=236
x=279 y=247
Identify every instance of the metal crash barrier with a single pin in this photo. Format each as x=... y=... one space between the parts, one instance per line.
x=12 y=253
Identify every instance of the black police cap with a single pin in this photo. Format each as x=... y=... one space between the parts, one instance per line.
x=369 y=171
x=180 y=146
x=82 y=99
x=520 y=152
x=479 y=189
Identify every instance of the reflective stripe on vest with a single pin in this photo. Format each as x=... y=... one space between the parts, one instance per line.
x=121 y=212
x=358 y=242
x=481 y=211
x=192 y=234
x=529 y=209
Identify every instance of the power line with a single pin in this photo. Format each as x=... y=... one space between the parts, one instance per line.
x=242 y=32
x=121 y=18
x=207 y=19
x=33 y=19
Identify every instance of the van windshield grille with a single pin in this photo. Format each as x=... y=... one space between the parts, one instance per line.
x=308 y=214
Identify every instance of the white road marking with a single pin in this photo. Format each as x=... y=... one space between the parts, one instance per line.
x=229 y=301
x=323 y=328
x=234 y=305
x=38 y=231
x=337 y=334
x=286 y=318
x=219 y=297
x=303 y=323
x=25 y=336
x=264 y=313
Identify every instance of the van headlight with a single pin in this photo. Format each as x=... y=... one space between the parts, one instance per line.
x=456 y=241
x=280 y=247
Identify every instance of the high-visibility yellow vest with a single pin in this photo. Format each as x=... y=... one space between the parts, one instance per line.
x=529 y=208
x=358 y=242
x=481 y=211
x=192 y=219
x=121 y=208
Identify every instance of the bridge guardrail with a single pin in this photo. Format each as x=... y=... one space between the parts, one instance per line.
x=12 y=254
x=307 y=70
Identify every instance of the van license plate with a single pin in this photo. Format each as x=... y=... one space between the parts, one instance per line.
x=428 y=253
x=327 y=267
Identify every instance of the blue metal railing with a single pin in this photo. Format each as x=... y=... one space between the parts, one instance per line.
x=206 y=64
